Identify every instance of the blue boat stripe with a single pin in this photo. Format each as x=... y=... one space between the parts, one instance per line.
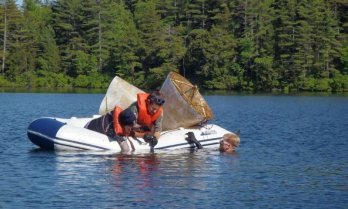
x=67 y=140
x=205 y=145
x=65 y=145
x=181 y=144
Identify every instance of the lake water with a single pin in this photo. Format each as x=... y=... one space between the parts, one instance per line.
x=293 y=154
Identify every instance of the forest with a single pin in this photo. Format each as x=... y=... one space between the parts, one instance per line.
x=242 y=45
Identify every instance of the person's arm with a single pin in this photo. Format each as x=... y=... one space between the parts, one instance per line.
x=139 y=134
x=157 y=134
x=158 y=126
x=156 y=130
x=136 y=132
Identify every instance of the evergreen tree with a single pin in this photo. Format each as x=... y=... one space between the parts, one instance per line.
x=219 y=70
x=197 y=14
x=285 y=45
x=325 y=31
x=221 y=44
x=169 y=11
x=220 y=14
x=10 y=35
x=340 y=11
x=244 y=16
x=150 y=27
x=197 y=41
x=93 y=28
x=304 y=42
x=67 y=23
x=130 y=5
x=39 y=37
x=149 y=24
x=125 y=45
x=264 y=75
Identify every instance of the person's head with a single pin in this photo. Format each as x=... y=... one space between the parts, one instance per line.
x=154 y=102
x=229 y=142
x=127 y=120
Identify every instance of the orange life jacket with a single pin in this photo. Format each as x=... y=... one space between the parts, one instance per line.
x=117 y=126
x=144 y=118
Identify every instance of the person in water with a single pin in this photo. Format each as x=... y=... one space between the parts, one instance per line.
x=229 y=143
x=117 y=124
x=149 y=113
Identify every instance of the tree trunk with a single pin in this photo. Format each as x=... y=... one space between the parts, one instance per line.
x=5 y=36
x=100 y=39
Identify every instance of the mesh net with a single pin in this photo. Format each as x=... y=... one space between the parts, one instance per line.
x=184 y=106
x=191 y=95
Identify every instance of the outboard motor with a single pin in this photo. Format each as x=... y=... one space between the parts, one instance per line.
x=191 y=139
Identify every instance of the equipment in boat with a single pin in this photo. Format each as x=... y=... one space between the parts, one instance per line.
x=184 y=121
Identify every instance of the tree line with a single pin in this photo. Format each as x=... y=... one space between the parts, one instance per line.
x=218 y=44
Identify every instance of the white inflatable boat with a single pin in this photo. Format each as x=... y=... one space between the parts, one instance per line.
x=184 y=107
x=70 y=134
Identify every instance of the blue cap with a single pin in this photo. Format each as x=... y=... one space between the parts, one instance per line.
x=127 y=117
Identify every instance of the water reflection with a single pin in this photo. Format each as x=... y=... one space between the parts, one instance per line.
x=145 y=164
x=139 y=169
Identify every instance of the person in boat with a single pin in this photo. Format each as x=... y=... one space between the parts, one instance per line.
x=149 y=113
x=229 y=143
x=117 y=124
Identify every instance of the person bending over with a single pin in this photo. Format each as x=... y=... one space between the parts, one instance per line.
x=149 y=113
x=117 y=124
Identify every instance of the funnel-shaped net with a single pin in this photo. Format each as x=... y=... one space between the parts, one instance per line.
x=184 y=106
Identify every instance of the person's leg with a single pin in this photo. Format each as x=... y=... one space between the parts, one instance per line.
x=122 y=141
x=94 y=125
x=124 y=147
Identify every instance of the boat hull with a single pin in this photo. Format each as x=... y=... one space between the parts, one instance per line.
x=70 y=134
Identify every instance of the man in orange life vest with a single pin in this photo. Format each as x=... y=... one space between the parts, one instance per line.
x=149 y=112
x=116 y=124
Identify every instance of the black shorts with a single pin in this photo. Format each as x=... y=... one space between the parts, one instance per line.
x=103 y=124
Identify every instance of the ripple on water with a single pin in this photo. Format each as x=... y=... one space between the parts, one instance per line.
x=292 y=155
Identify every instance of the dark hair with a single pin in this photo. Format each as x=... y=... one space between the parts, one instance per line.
x=156 y=97
x=127 y=117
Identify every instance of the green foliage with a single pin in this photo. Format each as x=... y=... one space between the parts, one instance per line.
x=196 y=44
x=42 y=79
x=157 y=76
x=218 y=44
x=344 y=59
x=67 y=23
x=39 y=37
x=4 y=82
x=149 y=25
x=91 y=81
x=85 y=64
x=124 y=59
x=312 y=84
x=339 y=82
x=219 y=53
x=265 y=76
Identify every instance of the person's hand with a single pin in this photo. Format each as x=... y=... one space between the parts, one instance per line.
x=145 y=128
x=151 y=139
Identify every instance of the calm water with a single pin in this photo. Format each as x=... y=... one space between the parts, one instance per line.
x=293 y=154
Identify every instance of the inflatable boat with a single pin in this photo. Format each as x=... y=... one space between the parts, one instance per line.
x=185 y=111
x=70 y=134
